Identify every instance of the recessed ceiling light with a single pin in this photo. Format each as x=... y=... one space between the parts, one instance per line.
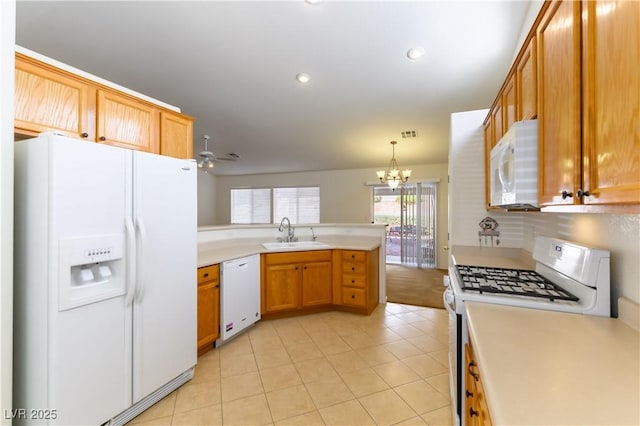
x=303 y=77
x=415 y=52
x=313 y=1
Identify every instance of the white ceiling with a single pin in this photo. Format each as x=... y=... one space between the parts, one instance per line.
x=232 y=65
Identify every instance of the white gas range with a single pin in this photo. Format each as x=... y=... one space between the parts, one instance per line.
x=568 y=277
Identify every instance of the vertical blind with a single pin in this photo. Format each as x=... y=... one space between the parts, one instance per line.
x=254 y=205
x=300 y=205
x=251 y=205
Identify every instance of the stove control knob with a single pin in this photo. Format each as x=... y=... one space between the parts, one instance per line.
x=448 y=297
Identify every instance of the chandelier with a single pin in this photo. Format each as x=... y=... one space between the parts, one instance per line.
x=393 y=176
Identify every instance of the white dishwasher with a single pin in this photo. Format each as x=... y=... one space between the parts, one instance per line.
x=239 y=295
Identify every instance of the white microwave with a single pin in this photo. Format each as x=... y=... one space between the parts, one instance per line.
x=514 y=168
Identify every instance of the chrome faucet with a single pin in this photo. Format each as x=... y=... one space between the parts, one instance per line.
x=290 y=231
x=313 y=234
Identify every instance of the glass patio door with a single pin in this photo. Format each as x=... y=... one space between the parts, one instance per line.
x=410 y=215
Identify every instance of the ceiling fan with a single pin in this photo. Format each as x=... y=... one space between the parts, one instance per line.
x=208 y=158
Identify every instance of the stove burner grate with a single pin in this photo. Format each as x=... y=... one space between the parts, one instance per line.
x=510 y=281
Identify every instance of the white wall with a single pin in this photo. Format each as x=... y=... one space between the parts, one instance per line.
x=206 y=199
x=7 y=64
x=344 y=197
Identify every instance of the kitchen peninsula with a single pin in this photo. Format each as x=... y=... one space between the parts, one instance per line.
x=325 y=267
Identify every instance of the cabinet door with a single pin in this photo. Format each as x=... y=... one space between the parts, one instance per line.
x=281 y=287
x=176 y=135
x=126 y=122
x=509 y=102
x=611 y=102
x=46 y=100
x=559 y=115
x=526 y=84
x=496 y=118
x=316 y=284
x=208 y=313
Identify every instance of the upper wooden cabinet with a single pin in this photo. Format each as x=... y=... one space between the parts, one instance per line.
x=589 y=98
x=48 y=99
x=577 y=73
x=124 y=122
x=176 y=135
x=559 y=117
x=526 y=83
x=611 y=102
x=509 y=103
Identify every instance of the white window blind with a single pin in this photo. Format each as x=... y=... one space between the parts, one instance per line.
x=300 y=205
x=251 y=205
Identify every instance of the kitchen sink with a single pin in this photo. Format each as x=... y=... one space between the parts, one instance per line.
x=295 y=245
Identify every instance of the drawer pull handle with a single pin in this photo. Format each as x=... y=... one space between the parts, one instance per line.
x=472 y=412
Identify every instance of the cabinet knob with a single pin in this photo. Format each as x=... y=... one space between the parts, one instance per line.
x=353 y=281
x=580 y=193
x=102 y=138
x=472 y=412
x=206 y=275
x=85 y=135
x=566 y=195
x=353 y=296
x=468 y=393
x=353 y=256
x=353 y=268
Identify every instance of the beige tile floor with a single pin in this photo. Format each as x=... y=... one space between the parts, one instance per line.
x=331 y=368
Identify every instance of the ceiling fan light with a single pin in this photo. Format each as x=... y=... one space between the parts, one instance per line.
x=210 y=164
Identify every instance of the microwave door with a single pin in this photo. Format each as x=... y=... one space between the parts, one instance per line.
x=506 y=174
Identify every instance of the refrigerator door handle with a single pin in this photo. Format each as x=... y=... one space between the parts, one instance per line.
x=131 y=260
x=140 y=271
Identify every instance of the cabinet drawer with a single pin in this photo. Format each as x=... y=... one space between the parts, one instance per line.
x=353 y=297
x=208 y=273
x=353 y=255
x=354 y=268
x=349 y=280
x=297 y=257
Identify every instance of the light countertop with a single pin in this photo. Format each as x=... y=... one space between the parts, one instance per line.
x=213 y=252
x=496 y=257
x=545 y=367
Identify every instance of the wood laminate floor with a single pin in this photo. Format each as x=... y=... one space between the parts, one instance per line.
x=415 y=286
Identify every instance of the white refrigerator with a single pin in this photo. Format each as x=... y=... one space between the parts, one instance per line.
x=105 y=280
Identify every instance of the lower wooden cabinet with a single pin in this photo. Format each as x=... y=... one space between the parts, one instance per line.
x=356 y=279
x=476 y=408
x=208 y=307
x=296 y=280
